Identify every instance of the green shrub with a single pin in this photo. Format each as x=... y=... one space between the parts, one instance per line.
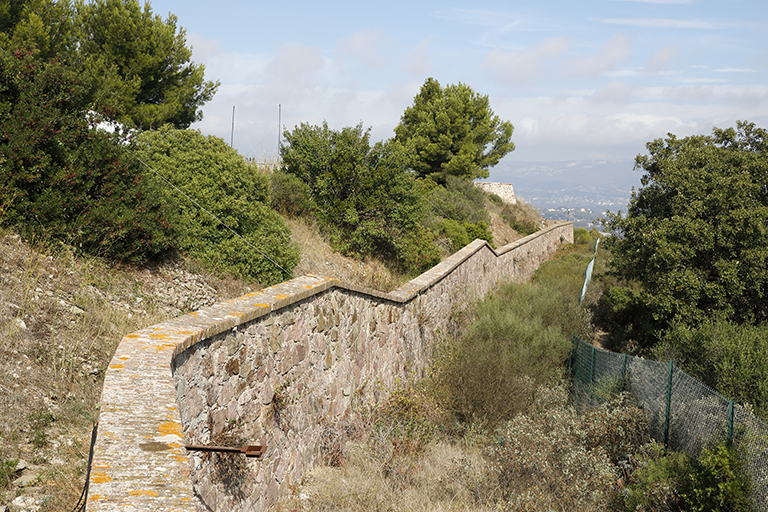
x=728 y=357
x=655 y=477
x=517 y=338
x=479 y=231
x=665 y=480
x=461 y=234
x=61 y=179
x=521 y=217
x=720 y=482
x=207 y=171
x=364 y=197
x=541 y=461
x=495 y=199
x=455 y=232
x=289 y=195
x=622 y=312
x=459 y=200
x=581 y=236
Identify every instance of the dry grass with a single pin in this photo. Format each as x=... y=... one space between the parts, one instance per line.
x=61 y=318
x=317 y=257
x=445 y=477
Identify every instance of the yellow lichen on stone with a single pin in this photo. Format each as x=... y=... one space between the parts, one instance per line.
x=171 y=427
x=143 y=493
x=100 y=478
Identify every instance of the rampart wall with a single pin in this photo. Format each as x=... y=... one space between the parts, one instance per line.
x=273 y=367
x=504 y=190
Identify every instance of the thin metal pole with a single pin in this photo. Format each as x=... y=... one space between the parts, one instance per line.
x=730 y=421
x=232 y=137
x=279 y=128
x=669 y=404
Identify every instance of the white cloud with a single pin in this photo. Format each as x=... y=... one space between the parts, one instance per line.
x=613 y=92
x=660 y=60
x=734 y=70
x=363 y=45
x=293 y=70
x=525 y=66
x=417 y=62
x=663 y=23
x=613 y=52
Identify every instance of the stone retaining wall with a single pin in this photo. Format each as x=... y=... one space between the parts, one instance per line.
x=504 y=190
x=273 y=367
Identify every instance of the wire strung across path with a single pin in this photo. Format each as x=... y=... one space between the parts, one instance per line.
x=214 y=217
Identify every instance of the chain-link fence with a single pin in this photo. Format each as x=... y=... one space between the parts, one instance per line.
x=684 y=414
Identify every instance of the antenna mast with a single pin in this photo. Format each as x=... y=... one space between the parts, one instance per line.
x=232 y=137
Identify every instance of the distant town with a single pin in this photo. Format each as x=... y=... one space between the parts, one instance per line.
x=579 y=191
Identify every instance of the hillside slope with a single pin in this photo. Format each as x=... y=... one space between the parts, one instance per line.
x=61 y=318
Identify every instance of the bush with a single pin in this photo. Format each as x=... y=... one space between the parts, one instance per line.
x=364 y=197
x=720 y=482
x=581 y=236
x=541 y=461
x=207 y=171
x=458 y=199
x=622 y=311
x=289 y=195
x=728 y=357
x=663 y=480
x=655 y=478
x=60 y=178
x=521 y=217
x=486 y=375
x=462 y=234
x=619 y=426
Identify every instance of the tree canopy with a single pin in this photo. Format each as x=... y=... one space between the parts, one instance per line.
x=696 y=232
x=140 y=63
x=137 y=64
x=453 y=131
x=61 y=178
x=364 y=196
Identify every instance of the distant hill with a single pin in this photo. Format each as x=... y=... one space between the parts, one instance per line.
x=577 y=190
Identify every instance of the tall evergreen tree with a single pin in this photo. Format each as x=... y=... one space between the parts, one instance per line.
x=453 y=131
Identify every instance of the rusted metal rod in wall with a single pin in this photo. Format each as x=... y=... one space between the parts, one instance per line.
x=248 y=450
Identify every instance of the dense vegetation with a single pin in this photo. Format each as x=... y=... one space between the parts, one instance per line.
x=409 y=199
x=135 y=65
x=60 y=178
x=215 y=193
x=690 y=258
x=152 y=188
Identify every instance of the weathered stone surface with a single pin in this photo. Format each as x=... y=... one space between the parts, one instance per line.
x=273 y=367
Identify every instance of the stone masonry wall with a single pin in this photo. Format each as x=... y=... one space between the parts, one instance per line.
x=504 y=190
x=274 y=367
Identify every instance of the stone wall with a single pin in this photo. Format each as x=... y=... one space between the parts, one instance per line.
x=504 y=190
x=274 y=367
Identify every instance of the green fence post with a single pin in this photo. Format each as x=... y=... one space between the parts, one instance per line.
x=669 y=403
x=624 y=372
x=730 y=421
x=592 y=367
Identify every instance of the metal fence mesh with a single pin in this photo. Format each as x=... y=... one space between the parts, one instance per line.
x=683 y=413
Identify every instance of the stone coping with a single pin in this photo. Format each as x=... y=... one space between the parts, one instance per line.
x=139 y=460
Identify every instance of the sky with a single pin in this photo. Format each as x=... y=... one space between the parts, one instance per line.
x=579 y=80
